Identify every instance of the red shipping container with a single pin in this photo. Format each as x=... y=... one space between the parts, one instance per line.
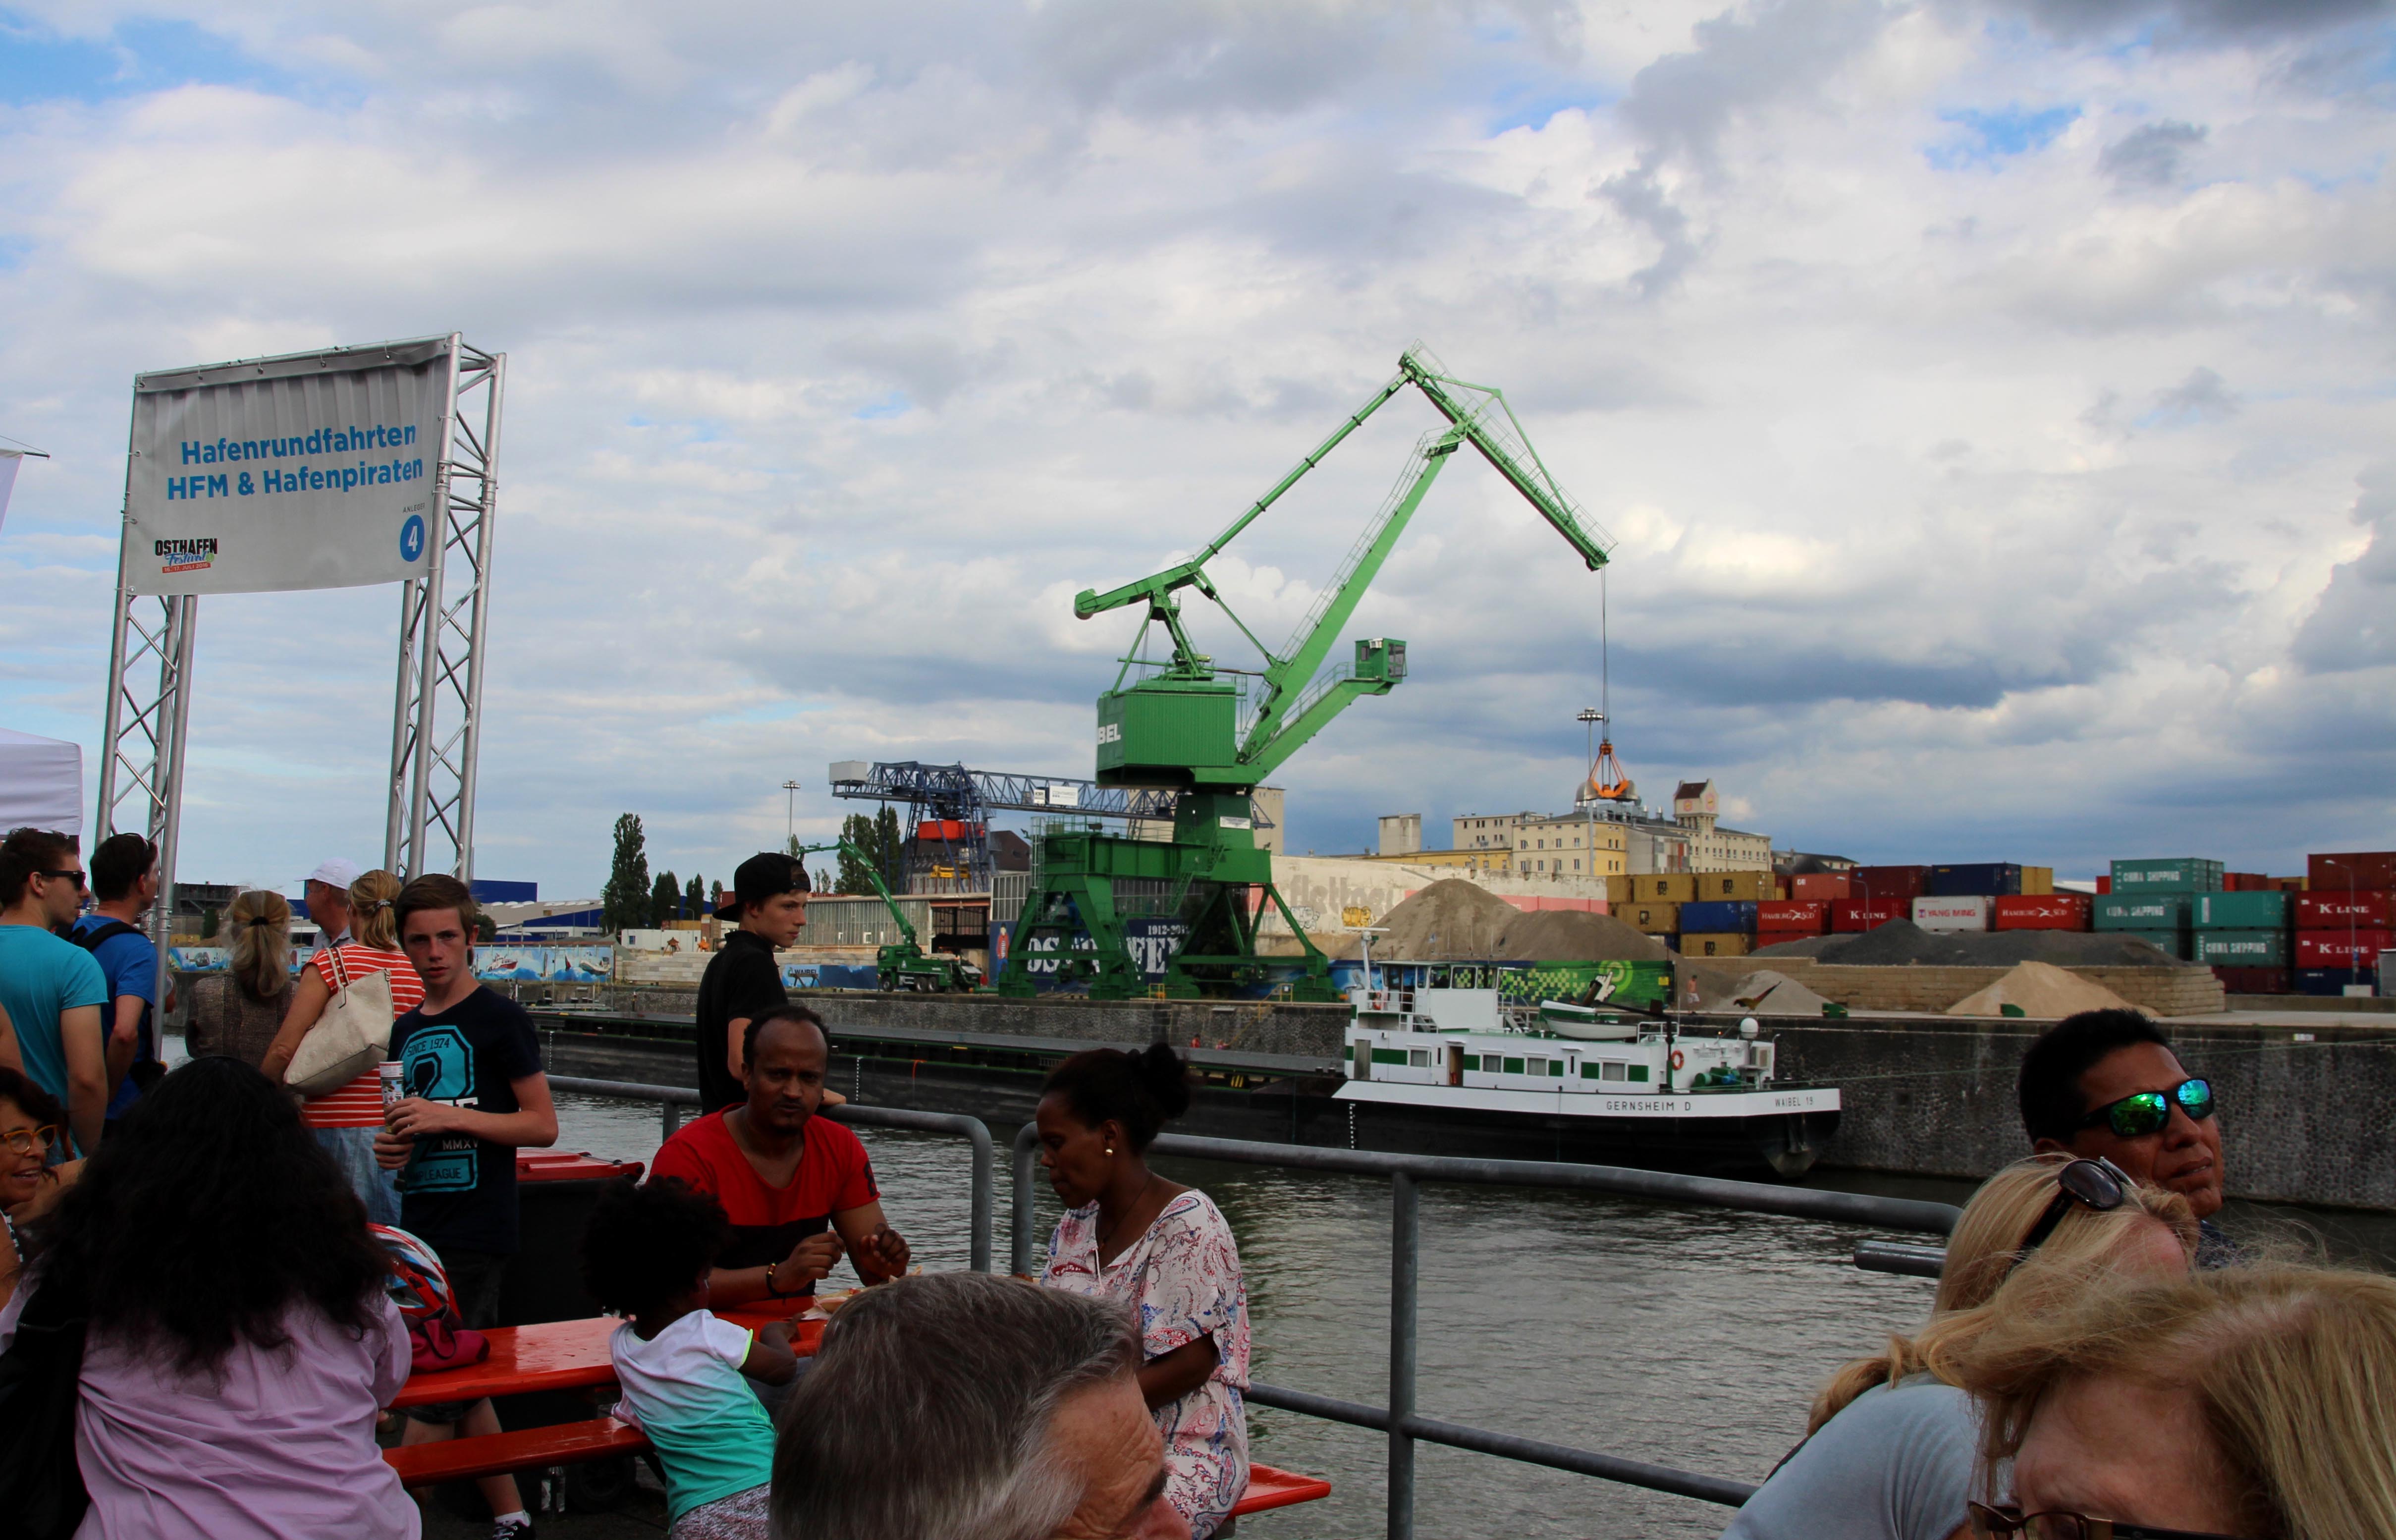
x=2064 y=911
x=2366 y=909
x=2337 y=949
x=2346 y=870
x=2256 y=981
x=2285 y=884
x=2104 y=886
x=1886 y=885
x=1856 y=915
x=1827 y=888
x=2244 y=882
x=1803 y=916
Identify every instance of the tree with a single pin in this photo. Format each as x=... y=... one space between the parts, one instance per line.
x=624 y=902
x=665 y=899
x=857 y=830
x=485 y=928
x=693 y=899
x=715 y=895
x=890 y=849
x=207 y=924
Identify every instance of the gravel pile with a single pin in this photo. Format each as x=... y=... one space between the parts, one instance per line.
x=1901 y=943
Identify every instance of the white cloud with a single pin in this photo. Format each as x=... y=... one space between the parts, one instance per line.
x=2002 y=508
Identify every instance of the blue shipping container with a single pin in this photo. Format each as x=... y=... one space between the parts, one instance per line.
x=2330 y=981
x=1713 y=917
x=1994 y=879
x=491 y=890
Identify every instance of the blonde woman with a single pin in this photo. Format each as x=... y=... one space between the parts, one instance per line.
x=1889 y=1446
x=238 y=1013
x=2248 y=1401
x=347 y=1121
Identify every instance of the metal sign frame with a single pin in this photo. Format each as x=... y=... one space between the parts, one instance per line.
x=433 y=749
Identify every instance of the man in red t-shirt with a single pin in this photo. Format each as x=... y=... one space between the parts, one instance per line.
x=798 y=1188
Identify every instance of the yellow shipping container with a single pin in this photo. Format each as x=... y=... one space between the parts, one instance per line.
x=2038 y=881
x=1674 y=887
x=1618 y=891
x=1653 y=919
x=1735 y=886
x=1716 y=943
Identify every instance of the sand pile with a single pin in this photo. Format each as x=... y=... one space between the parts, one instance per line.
x=1762 y=993
x=1901 y=943
x=1449 y=919
x=1575 y=935
x=2043 y=993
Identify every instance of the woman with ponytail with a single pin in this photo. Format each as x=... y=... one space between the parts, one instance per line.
x=1165 y=1250
x=237 y=1013
x=347 y=1121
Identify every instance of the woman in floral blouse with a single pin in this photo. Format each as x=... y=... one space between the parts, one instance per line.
x=1161 y=1247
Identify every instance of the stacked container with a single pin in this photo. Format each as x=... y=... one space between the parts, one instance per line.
x=2243 y=932
x=1790 y=920
x=2161 y=918
x=1828 y=888
x=1666 y=887
x=1980 y=879
x=2344 y=920
x=1721 y=927
x=2049 y=910
x=1654 y=918
x=1886 y=885
x=1860 y=914
x=2155 y=896
x=1959 y=912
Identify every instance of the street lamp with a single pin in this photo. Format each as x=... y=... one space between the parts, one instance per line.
x=1589 y=719
x=791 y=813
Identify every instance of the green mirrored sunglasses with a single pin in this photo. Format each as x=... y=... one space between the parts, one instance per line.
x=2143 y=1112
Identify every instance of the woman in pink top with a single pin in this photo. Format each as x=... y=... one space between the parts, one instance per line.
x=346 y=1120
x=1165 y=1250
x=239 y=1338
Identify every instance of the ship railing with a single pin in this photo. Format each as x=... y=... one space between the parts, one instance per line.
x=1404 y=1426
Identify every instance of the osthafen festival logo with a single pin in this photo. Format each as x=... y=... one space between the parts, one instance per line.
x=190 y=555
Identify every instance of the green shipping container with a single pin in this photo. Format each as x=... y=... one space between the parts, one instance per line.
x=2167 y=874
x=2248 y=911
x=2161 y=911
x=2242 y=948
x=2171 y=941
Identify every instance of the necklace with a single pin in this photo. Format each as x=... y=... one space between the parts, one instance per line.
x=1107 y=1236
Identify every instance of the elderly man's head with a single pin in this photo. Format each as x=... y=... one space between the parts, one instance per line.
x=960 y=1406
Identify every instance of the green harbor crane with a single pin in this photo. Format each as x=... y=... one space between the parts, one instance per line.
x=903 y=964
x=1213 y=732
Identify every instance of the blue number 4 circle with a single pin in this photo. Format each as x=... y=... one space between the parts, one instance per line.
x=411 y=537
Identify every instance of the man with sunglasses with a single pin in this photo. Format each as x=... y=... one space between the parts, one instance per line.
x=52 y=989
x=2106 y=1085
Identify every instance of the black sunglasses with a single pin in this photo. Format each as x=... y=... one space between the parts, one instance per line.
x=2143 y=1112
x=74 y=877
x=1995 y=1523
x=2099 y=1184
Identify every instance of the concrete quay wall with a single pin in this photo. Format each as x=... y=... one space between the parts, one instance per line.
x=2165 y=991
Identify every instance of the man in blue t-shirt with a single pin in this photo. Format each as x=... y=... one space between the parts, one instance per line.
x=51 y=989
x=475 y=1095
x=125 y=881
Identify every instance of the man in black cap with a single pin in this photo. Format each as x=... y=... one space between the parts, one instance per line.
x=769 y=899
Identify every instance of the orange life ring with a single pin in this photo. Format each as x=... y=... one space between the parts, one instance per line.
x=1677 y=1059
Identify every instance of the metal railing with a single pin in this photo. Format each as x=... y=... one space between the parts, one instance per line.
x=1404 y=1426
x=673 y=1098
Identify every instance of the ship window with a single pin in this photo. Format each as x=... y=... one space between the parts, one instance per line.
x=1513 y=1066
x=1535 y=1066
x=1389 y=1055
x=1555 y=1068
x=1639 y=1071
x=1419 y=1058
x=1613 y=1069
x=1589 y=1071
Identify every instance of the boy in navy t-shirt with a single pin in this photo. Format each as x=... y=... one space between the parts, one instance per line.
x=474 y=1095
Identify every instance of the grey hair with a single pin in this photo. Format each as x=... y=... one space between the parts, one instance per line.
x=927 y=1414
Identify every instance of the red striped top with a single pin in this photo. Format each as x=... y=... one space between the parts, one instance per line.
x=359 y=1104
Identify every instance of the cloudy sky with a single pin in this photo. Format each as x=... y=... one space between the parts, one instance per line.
x=1990 y=403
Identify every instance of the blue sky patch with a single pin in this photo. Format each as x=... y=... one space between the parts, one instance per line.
x=894 y=404
x=1989 y=136
x=39 y=65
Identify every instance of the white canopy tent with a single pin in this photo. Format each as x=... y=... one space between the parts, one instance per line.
x=41 y=783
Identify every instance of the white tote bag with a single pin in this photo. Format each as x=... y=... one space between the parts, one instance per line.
x=350 y=1039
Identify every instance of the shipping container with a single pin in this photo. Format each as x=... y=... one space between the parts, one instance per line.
x=2330 y=981
x=2366 y=908
x=2255 y=981
x=1731 y=887
x=1716 y=944
x=2350 y=868
x=2244 y=882
x=2037 y=882
x=1667 y=887
x=2103 y=885
x=2167 y=874
x=1827 y=888
x=2063 y=911
x=2171 y=943
x=1856 y=915
x=2287 y=885
x=1955 y=913
x=1800 y=916
x=1980 y=879
x=1619 y=890
x=2342 y=948
x=1719 y=915
x=2240 y=910
x=2155 y=912
x=1884 y=885
x=1653 y=919
x=2241 y=949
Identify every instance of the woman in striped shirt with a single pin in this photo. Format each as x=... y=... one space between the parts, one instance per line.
x=345 y=1121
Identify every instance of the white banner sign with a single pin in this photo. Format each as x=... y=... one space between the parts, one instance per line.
x=9 y=460
x=306 y=472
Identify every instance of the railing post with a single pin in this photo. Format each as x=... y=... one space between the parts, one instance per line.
x=669 y=1118
x=1405 y=1244
x=1027 y=1146
x=984 y=1182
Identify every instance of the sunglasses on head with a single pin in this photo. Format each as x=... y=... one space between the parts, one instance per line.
x=2145 y=1113
x=2003 y=1523
x=32 y=1141
x=2099 y=1185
